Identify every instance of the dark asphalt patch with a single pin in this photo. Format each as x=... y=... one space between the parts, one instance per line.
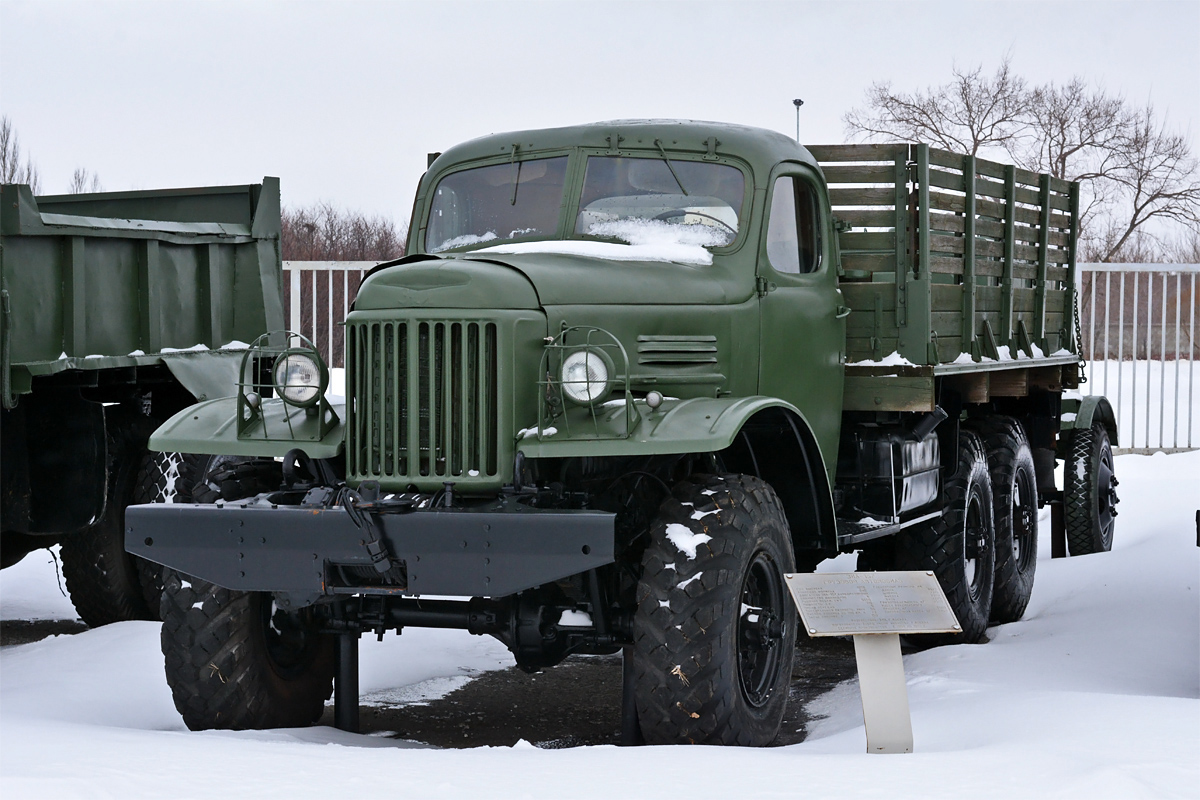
x=574 y=704
x=24 y=631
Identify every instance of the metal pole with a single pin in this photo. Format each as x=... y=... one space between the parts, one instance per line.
x=1178 y=291
x=1107 y=325
x=1121 y=358
x=1162 y=357
x=296 y=292
x=1091 y=326
x=797 y=103
x=1133 y=362
x=1191 y=356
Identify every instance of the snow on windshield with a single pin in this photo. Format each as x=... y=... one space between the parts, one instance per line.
x=463 y=241
x=647 y=240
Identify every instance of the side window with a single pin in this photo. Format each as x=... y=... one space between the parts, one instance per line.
x=783 y=244
x=794 y=227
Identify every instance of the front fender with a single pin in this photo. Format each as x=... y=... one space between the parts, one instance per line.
x=211 y=428
x=699 y=425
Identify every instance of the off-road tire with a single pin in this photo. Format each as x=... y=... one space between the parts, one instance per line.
x=964 y=565
x=1015 y=512
x=105 y=583
x=1089 y=504
x=220 y=666
x=702 y=674
x=194 y=478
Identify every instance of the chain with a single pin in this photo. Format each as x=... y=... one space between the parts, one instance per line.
x=1079 y=341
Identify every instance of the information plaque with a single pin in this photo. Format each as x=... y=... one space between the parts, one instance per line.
x=875 y=608
x=849 y=603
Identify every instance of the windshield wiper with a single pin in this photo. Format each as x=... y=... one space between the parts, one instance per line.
x=667 y=161
x=516 y=173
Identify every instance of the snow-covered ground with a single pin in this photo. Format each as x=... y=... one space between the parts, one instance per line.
x=1095 y=694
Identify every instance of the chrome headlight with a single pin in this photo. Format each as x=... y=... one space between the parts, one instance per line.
x=585 y=376
x=300 y=377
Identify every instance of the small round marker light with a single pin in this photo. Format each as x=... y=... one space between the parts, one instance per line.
x=654 y=399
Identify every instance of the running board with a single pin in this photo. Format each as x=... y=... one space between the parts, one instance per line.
x=853 y=532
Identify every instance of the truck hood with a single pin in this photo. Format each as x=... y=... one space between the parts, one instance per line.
x=565 y=279
x=433 y=282
x=532 y=280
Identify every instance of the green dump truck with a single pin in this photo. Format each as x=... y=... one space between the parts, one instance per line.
x=115 y=307
x=629 y=376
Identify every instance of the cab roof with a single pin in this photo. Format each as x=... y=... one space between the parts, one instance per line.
x=759 y=147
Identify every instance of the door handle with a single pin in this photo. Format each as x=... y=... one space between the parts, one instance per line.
x=842 y=311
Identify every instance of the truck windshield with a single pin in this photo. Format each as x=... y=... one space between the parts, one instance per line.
x=693 y=202
x=521 y=199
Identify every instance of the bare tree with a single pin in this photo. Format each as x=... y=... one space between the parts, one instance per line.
x=1155 y=177
x=1073 y=132
x=971 y=112
x=1133 y=171
x=84 y=181
x=322 y=232
x=11 y=168
x=1184 y=249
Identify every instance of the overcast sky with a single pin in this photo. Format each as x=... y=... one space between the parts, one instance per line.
x=342 y=100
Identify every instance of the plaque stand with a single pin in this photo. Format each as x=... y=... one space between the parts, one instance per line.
x=876 y=608
x=884 y=693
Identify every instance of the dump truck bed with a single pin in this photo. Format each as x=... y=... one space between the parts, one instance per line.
x=117 y=279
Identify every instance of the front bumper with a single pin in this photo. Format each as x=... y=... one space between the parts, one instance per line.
x=303 y=554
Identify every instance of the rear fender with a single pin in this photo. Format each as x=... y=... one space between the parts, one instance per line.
x=1083 y=412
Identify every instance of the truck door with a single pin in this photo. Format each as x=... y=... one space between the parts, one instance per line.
x=802 y=321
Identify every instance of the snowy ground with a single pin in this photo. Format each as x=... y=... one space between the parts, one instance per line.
x=1095 y=694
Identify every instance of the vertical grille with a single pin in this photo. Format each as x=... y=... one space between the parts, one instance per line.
x=423 y=401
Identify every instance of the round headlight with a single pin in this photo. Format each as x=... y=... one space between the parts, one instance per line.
x=299 y=378
x=585 y=376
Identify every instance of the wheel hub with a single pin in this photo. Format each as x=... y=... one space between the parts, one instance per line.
x=761 y=628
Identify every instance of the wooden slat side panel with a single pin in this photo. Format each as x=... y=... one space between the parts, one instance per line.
x=866 y=217
x=861 y=296
x=857 y=152
x=885 y=240
x=871 y=262
x=857 y=173
x=861 y=197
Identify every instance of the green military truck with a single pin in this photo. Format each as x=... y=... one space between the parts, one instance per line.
x=113 y=310
x=629 y=376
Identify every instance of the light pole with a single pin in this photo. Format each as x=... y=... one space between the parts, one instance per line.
x=797 y=103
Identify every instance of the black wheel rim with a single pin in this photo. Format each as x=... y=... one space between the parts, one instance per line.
x=974 y=543
x=290 y=641
x=1106 y=496
x=1024 y=518
x=762 y=624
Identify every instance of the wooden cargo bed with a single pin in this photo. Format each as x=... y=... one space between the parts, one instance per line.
x=944 y=254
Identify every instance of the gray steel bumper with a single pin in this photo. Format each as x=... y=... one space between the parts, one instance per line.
x=303 y=552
